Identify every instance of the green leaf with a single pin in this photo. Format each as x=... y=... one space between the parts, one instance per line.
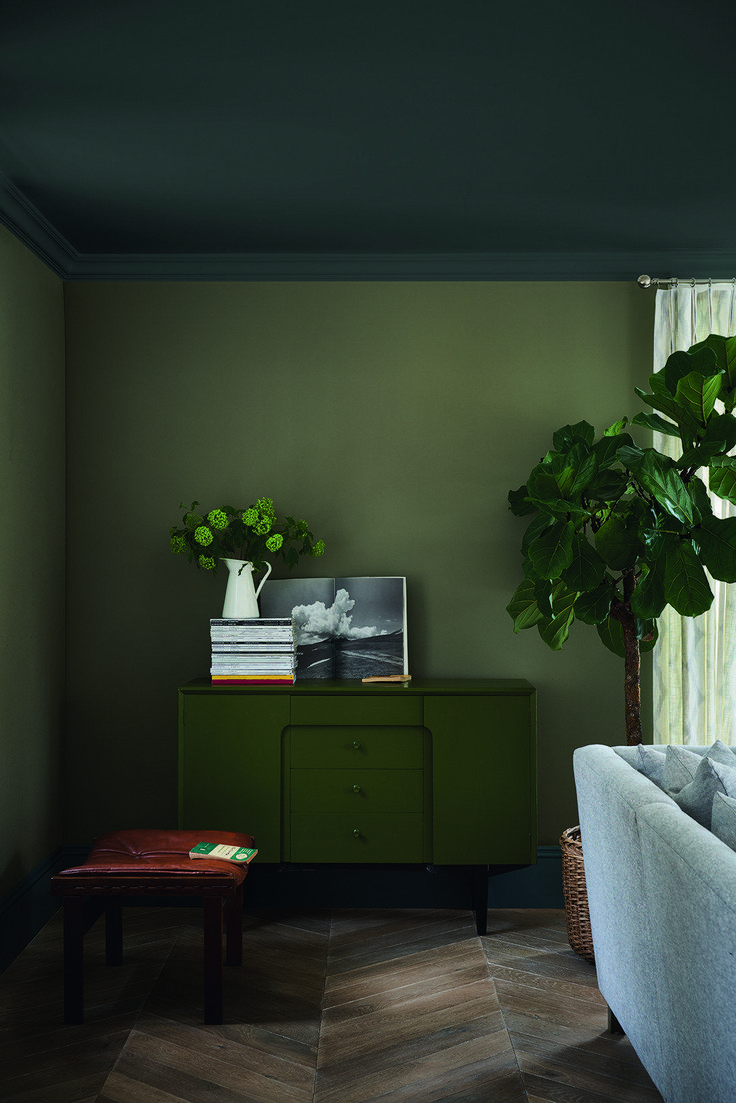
x=608 y=486
x=551 y=552
x=716 y=538
x=607 y=447
x=534 y=529
x=583 y=466
x=662 y=400
x=568 y=435
x=519 y=503
x=556 y=630
x=617 y=428
x=648 y=599
x=543 y=486
x=612 y=636
x=722 y=477
x=698 y=358
x=594 y=606
x=724 y=349
x=685 y=583
x=659 y=475
x=586 y=569
x=657 y=423
x=618 y=540
x=523 y=608
x=701 y=454
x=722 y=427
x=698 y=394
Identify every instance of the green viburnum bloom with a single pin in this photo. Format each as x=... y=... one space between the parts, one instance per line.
x=178 y=545
x=263 y=526
x=207 y=563
x=191 y=519
x=274 y=542
x=318 y=549
x=217 y=519
x=203 y=535
x=250 y=517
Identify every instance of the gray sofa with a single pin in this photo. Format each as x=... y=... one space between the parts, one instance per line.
x=662 y=897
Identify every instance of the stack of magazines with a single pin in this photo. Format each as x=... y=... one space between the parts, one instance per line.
x=257 y=651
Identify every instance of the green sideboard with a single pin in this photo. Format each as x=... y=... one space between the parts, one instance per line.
x=435 y=772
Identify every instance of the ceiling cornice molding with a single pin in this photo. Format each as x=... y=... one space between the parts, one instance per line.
x=452 y=267
x=27 y=223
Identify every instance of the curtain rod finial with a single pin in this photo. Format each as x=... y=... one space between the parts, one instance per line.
x=644 y=281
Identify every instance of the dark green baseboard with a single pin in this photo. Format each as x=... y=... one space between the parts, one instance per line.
x=25 y=910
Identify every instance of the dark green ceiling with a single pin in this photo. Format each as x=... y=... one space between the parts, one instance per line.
x=462 y=138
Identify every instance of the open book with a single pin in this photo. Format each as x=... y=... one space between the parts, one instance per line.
x=345 y=627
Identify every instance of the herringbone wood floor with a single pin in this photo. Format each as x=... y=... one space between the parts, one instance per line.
x=343 y=1007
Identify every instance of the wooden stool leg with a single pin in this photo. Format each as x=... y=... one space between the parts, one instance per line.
x=234 y=929
x=213 y=915
x=114 y=930
x=73 y=959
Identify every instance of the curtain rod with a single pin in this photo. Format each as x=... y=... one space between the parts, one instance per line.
x=673 y=281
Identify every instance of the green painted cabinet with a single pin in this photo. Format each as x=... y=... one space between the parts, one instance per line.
x=436 y=772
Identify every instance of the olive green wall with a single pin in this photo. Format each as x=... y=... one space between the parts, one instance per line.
x=31 y=559
x=394 y=417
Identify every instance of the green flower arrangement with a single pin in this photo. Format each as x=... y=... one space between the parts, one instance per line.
x=250 y=534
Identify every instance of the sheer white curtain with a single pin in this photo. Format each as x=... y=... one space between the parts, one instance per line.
x=695 y=658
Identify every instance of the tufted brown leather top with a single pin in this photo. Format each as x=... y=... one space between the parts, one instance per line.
x=139 y=851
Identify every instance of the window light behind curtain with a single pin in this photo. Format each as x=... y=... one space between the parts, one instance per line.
x=695 y=658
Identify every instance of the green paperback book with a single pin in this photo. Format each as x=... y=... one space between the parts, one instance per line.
x=224 y=852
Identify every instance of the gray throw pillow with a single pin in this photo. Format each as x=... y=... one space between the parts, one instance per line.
x=697 y=797
x=681 y=764
x=651 y=763
x=723 y=821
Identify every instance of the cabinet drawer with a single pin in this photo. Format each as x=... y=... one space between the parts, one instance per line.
x=348 y=791
x=356 y=709
x=341 y=837
x=357 y=748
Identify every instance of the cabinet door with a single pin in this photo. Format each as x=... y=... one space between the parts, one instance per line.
x=230 y=765
x=484 y=766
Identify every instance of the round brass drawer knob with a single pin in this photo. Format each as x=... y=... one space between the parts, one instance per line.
x=356 y=788
x=356 y=744
x=356 y=832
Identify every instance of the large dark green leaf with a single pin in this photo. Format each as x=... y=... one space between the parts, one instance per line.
x=717 y=539
x=698 y=393
x=698 y=358
x=551 y=552
x=722 y=477
x=594 y=607
x=543 y=486
x=534 y=529
x=648 y=599
x=618 y=541
x=608 y=486
x=586 y=569
x=568 y=435
x=661 y=399
x=607 y=447
x=612 y=636
x=701 y=454
x=554 y=631
x=685 y=583
x=523 y=608
x=724 y=349
x=659 y=475
x=657 y=423
x=722 y=427
x=583 y=466
x=519 y=503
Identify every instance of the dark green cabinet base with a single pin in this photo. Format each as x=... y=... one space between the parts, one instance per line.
x=441 y=773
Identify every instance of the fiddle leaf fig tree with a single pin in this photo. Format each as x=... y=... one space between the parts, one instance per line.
x=618 y=532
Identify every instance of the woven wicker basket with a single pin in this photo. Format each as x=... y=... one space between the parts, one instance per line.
x=576 y=894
